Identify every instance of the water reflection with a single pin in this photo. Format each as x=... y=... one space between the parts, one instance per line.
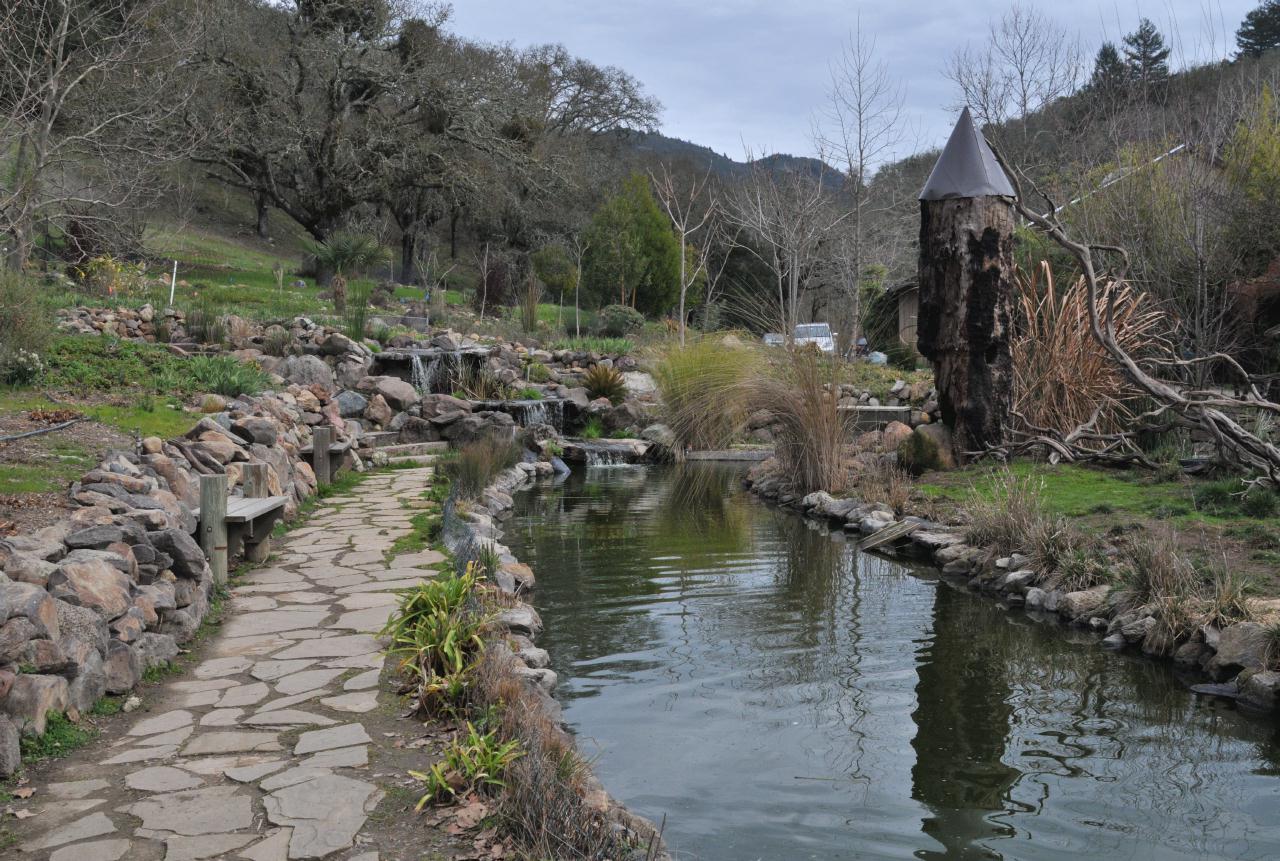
x=775 y=694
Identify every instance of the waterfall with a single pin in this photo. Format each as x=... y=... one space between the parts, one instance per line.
x=534 y=413
x=426 y=377
x=598 y=458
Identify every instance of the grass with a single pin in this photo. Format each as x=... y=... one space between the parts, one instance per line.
x=65 y=463
x=606 y=346
x=879 y=379
x=425 y=531
x=60 y=738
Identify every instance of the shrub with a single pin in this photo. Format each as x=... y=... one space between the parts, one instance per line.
x=602 y=381
x=277 y=341
x=477 y=463
x=20 y=367
x=356 y=313
x=226 y=375
x=593 y=429
x=904 y=357
x=616 y=321
x=26 y=323
x=538 y=373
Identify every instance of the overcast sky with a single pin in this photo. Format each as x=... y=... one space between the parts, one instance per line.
x=755 y=72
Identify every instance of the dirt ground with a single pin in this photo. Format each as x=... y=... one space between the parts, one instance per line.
x=35 y=471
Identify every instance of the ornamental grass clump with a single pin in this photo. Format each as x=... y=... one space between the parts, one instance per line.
x=801 y=397
x=705 y=388
x=1061 y=373
x=604 y=381
x=1004 y=520
x=475 y=465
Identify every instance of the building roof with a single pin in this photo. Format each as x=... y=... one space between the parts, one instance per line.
x=967 y=167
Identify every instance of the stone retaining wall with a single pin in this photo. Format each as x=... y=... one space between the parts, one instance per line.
x=1235 y=657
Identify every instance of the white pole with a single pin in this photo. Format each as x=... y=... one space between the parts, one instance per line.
x=173 y=282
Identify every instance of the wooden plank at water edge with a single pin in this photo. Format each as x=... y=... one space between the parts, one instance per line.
x=889 y=533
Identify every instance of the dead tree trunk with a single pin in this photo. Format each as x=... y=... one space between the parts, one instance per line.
x=963 y=328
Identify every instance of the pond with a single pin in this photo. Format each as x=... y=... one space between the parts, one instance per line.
x=771 y=693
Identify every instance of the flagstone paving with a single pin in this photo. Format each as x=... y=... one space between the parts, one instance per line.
x=262 y=753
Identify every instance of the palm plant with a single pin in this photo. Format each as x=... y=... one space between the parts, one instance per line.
x=346 y=254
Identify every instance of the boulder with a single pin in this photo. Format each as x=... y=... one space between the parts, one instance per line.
x=92 y=583
x=94 y=538
x=377 y=411
x=435 y=405
x=415 y=429
x=83 y=624
x=477 y=426
x=1075 y=605
x=156 y=649
x=253 y=429
x=351 y=369
x=1261 y=690
x=123 y=667
x=893 y=435
x=306 y=371
x=14 y=636
x=31 y=699
x=25 y=568
x=397 y=393
x=351 y=404
x=1240 y=647
x=89 y=684
x=31 y=603
x=188 y=558
x=928 y=448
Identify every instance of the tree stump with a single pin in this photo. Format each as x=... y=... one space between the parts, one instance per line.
x=963 y=327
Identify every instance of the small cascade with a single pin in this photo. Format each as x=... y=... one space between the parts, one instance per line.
x=534 y=413
x=600 y=458
x=419 y=374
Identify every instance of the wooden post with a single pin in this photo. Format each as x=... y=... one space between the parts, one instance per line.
x=966 y=266
x=321 y=439
x=213 y=524
x=257 y=547
x=255 y=481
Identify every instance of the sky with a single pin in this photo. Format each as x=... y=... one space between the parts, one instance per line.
x=739 y=74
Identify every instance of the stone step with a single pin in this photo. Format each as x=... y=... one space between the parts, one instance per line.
x=414 y=448
x=421 y=460
x=378 y=439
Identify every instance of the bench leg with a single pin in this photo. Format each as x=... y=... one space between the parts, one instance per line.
x=258 y=551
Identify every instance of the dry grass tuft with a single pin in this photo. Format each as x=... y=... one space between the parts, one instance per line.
x=1012 y=513
x=885 y=483
x=801 y=395
x=1061 y=373
x=705 y=390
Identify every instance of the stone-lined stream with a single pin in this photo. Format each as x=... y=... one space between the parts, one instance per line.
x=774 y=694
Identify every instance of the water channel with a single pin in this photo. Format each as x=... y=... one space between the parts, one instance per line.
x=774 y=694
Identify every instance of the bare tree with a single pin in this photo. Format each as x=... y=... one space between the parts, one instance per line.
x=788 y=215
x=863 y=126
x=90 y=94
x=693 y=209
x=1027 y=63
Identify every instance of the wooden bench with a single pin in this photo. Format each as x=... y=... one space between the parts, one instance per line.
x=237 y=525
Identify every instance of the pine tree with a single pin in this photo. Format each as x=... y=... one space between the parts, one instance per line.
x=1110 y=74
x=1260 y=31
x=1147 y=56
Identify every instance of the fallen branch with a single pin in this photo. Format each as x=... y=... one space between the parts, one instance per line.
x=57 y=427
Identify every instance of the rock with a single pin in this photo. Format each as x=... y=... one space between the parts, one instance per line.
x=192 y=812
x=14 y=636
x=89 y=684
x=188 y=558
x=395 y=391
x=521 y=619
x=31 y=603
x=1035 y=598
x=306 y=371
x=1261 y=690
x=10 y=747
x=377 y=411
x=25 y=568
x=93 y=584
x=1136 y=630
x=31 y=699
x=477 y=426
x=893 y=435
x=331 y=738
x=94 y=538
x=351 y=404
x=82 y=623
x=436 y=405
x=928 y=448
x=1240 y=647
x=122 y=666
x=325 y=813
x=415 y=429
x=156 y=649
x=253 y=429
x=1075 y=605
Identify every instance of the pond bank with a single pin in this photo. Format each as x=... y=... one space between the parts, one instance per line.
x=1234 y=657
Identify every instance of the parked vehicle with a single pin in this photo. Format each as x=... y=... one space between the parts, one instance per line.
x=818 y=334
x=773 y=339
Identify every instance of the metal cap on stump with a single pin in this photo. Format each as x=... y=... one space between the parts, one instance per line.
x=966 y=266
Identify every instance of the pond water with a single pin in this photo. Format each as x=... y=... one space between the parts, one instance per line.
x=774 y=694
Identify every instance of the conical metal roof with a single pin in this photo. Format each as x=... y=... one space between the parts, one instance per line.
x=967 y=167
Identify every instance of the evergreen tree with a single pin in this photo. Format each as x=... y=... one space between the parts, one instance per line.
x=1260 y=31
x=633 y=257
x=1146 y=55
x=1110 y=74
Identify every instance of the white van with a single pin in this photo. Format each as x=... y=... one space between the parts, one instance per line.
x=818 y=334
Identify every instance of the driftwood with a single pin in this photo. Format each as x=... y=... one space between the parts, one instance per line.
x=1203 y=410
x=42 y=431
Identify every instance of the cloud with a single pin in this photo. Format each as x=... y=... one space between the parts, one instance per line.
x=735 y=72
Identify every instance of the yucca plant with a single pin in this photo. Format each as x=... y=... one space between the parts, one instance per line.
x=604 y=381
x=346 y=254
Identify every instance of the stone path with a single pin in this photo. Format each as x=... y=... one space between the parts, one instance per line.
x=261 y=753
